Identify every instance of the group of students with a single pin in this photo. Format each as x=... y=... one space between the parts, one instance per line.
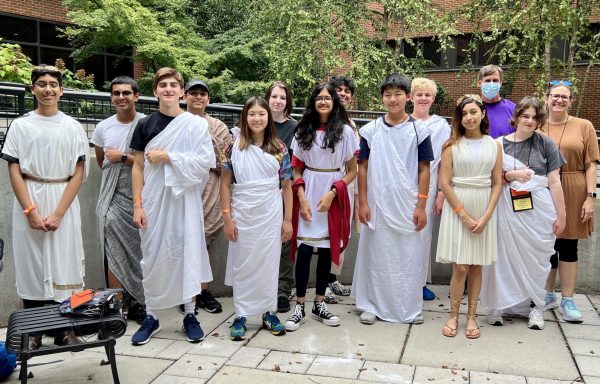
x=284 y=190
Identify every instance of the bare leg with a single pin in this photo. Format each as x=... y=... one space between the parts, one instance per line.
x=113 y=282
x=568 y=277
x=473 y=289
x=551 y=279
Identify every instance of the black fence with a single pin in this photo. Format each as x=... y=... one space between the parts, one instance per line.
x=89 y=108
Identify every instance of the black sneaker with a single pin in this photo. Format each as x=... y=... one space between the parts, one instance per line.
x=297 y=318
x=206 y=301
x=321 y=313
x=137 y=313
x=283 y=304
x=182 y=309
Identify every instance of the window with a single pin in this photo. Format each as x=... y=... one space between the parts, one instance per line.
x=428 y=47
x=43 y=42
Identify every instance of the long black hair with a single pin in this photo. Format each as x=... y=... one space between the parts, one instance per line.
x=307 y=127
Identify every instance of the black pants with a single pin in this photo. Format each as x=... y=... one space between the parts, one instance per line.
x=303 y=269
x=566 y=250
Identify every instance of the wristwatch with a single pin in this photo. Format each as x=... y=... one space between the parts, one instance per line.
x=591 y=194
x=123 y=158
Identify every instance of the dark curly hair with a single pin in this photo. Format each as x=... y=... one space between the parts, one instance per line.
x=308 y=125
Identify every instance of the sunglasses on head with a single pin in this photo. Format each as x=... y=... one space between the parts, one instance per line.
x=566 y=83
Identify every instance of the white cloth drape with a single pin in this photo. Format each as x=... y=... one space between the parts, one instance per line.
x=48 y=265
x=525 y=244
x=175 y=260
x=389 y=263
x=256 y=206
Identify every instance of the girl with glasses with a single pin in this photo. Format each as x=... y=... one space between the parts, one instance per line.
x=323 y=146
x=576 y=140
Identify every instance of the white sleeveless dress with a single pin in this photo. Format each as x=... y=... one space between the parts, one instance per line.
x=471 y=182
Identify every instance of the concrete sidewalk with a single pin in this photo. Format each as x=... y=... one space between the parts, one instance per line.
x=351 y=353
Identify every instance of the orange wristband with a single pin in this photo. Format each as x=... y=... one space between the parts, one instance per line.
x=28 y=210
x=423 y=197
x=224 y=211
x=458 y=209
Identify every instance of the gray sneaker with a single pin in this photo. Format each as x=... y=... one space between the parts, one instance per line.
x=550 y=301
x=494 y=317
x=330 y=297
x=368 y=318
x=339 y=289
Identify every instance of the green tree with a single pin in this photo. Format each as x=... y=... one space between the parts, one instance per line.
x=15 y=66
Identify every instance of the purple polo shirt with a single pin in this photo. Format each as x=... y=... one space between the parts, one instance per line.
x=499 y=114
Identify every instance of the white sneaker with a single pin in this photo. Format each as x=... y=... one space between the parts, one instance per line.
x=368 y=318
x=494 y=317
x=536 y=318
x=550 y=300
x=330 y=297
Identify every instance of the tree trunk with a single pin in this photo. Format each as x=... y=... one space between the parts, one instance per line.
x=547 y=58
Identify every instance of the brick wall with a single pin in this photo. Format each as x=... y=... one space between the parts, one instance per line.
x=459 y=83
x=43 y=9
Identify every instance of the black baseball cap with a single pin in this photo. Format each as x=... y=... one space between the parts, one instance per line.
x=196 y=83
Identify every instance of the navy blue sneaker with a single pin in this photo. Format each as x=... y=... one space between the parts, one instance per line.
x=149 y=328
x=192 y=329
x=428 y=295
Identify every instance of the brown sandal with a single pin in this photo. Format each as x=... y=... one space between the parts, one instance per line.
x=472 y=333
x=35 y=342
x=448 y=331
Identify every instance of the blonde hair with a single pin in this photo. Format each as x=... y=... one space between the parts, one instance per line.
x=423 y=83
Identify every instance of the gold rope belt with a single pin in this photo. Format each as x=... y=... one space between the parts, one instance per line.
x=44 y=180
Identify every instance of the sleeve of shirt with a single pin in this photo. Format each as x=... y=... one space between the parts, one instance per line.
x=225 y=158
x=285 y=171
x=138 y=138
x=97 y=136
x=364 y=150
x=590 y=141
x=10 y=150
x=426 y=150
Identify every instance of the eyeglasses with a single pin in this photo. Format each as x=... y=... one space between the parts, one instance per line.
x=323 y=98
x=556 y=97
x=44 y=84
x=119 y=93
x=566 y=83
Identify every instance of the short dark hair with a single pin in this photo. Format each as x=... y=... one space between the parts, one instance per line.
x=45 y=69
x=338 y=81
x=395 y=80
x=526 y=103
x=489 y=69
x=124 y=80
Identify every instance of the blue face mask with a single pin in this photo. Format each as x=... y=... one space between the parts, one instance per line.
x=490 y=90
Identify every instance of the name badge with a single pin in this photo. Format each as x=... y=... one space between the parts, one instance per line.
x=521 y=200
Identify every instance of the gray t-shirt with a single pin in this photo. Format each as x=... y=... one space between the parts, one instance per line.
x=539 y=152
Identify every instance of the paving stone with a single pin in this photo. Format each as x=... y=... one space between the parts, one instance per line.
x=494 y=378
x=424 y=375
x=287 y=362
x=585 y=347
x=248 y=357
x=216 y=346
x=387 y=372
x=379 y=342
x=175 y=350
x=591 y=380
x=84 y=367
x=335 y=367
x=168 y=379
x=240 y=375
x=518 y=354
x=589 y=366
x=539 y=380
x=197 y=366
x=151 y=349
x=581 y=331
